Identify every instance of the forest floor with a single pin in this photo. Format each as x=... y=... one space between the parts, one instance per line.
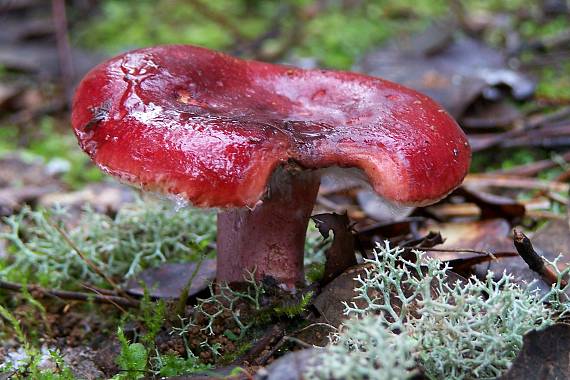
x=100 y=280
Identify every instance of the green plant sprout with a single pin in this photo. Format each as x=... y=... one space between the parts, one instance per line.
x=29 y=365
x=132 y=359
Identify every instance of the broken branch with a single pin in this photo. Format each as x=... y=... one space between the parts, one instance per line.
x=71 y=295
x=534 y=261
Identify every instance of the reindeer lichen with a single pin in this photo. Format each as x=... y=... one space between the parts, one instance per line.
x=408 y=309
x=141 y=235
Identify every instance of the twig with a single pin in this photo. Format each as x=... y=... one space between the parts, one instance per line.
x=298 y=341
x=63 y=48
x=70 y=295
x=532 y=169
x=270 y=338
x=219 y=18
x=494 y=180
x=90 y=263
x=541 y=123
x=99 y=293
x=534 y=261
x=184 y=294
x=465 y=250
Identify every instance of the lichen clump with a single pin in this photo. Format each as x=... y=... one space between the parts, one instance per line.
x=407 y=315
x=141 y=235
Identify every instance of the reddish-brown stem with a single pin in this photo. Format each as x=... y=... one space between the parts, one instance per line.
x=270 y=238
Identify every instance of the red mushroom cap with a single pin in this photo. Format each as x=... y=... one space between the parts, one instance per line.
x=200 y=124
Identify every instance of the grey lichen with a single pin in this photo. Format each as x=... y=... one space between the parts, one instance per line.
x=406 y=313
x=141 y=235
x=366 y=349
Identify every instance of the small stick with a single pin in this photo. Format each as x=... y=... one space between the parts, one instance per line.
x=534 y=261
x=271 y=337
x=110 y=299
x=70 y=295
x=184 y=294
x=219 y=18
x=90 y=263
x=63 y=48
x=513 y=182
x=465 y=250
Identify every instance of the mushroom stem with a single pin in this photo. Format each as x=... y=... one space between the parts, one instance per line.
x=270 y=238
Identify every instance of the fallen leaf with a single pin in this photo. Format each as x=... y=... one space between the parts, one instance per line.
x=552 y=240
x=545 y=355
x=457 y=72
x=486 y=236
x=329 y=302
x=369 y=235
x=168 y=280
x=341 y=254
x=291 y=366
x=493 y=206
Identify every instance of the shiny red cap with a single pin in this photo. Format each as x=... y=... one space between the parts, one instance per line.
x=211 y=128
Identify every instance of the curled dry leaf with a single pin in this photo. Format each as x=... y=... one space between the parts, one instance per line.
x=545 y=355
x=340 y=255
x=454 y=71
x=169 y=280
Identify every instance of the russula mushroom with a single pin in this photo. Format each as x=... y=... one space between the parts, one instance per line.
x=249 y=138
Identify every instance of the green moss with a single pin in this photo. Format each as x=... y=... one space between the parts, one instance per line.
x=296 y=309
x=172 y=365
x=242 y=347
x=314 y=272
x=531 y=29
x=505 y=159
x=554 y=83
x=29 y=366
x=336 y=37
x=8 y=139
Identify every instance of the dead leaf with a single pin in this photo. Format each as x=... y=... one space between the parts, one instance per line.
x=455 y=74
x=553 y=239
x=486 y=236
x=168 y=280
x=398 y=231
x=341 y=254
x=545 y=355
x=291 y=366
x=493 y=206
x=329 y=302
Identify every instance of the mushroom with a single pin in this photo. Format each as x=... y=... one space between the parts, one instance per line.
x=249 y=138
